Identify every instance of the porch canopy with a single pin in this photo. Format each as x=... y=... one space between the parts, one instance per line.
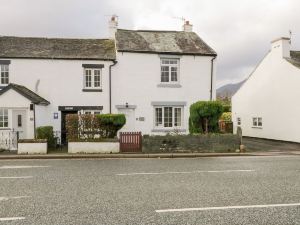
x=25 y=92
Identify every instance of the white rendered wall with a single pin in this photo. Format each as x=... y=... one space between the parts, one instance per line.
x=32 y=148
x=271 y=92
x=93 y=147
x=136 y=76
x=61 y=83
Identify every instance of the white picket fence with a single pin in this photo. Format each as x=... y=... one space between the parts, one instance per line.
x=8 y=140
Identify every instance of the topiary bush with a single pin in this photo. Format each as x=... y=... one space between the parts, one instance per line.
x=204 y=116
x=110 y=124
x=46 y=132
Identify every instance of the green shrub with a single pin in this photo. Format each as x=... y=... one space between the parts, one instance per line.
x=46 y=132
x=204 y=116
x=226 y=116
x=226 y=108
x=110 y=124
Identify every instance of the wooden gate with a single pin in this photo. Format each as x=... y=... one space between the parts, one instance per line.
x=131 y=142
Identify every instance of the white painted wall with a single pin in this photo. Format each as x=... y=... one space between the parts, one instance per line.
x=135 y=79
x=61 y=83
x=93 y=147
x=271 y=92
x=32 y=148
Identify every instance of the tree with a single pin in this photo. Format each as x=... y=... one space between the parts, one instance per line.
x=204 y=116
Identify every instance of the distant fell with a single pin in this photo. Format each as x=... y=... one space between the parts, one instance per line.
x=228 y=90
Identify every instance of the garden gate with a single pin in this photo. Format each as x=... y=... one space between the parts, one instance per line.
x=130 y=142
x=8 y=140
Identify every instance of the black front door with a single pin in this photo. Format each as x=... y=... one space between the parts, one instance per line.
x=63 y=126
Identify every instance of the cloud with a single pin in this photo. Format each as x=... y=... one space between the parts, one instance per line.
x=240 y=31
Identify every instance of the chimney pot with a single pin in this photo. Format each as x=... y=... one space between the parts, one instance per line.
x=113 y=26
x=187 y=27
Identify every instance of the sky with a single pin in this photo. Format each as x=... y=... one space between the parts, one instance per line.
x=240 y=31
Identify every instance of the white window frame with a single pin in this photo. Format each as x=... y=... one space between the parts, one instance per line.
x=93 y=80
x=257 y=122
x=163 y=119
x=4 y=118
x=4 y=68
x=170 y=67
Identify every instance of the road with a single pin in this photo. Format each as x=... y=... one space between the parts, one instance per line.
x=220 y=190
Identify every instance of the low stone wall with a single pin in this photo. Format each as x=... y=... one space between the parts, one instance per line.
x=32 y=148
x=93 y=147
x=191 y=143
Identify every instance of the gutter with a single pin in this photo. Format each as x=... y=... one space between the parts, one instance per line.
x=110 y=66
x=211 y=77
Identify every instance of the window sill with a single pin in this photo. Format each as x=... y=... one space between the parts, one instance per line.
x=257 y=127
x=91 y=90
x=162 y=85
x=165 y=130
x=5 y=128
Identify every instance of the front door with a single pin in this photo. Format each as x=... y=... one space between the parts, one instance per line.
x=63 y=125
x=19 y=122
x=130 y=119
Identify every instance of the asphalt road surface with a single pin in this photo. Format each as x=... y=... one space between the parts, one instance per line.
x=232 y=190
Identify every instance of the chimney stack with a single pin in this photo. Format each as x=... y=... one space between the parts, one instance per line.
x=113 y=26
x=282 y=46
x=187 y=27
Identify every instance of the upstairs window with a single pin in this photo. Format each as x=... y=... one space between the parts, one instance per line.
x=4 y=74
x=3 y=118
x=169 y=70
x=92 y=79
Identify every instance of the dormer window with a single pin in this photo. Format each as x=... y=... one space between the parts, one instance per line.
x=92 y=77
x=169 y=71
x=4 y=74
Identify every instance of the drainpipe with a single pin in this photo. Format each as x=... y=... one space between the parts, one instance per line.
x=34 y=122
x=212 y=77
x=110 y=66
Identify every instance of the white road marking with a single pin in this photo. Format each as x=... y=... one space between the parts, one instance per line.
x=9 y=198
x=11 y=218
x=26 y=177
x=21 y=167
x=187 y=172
x=227 y=207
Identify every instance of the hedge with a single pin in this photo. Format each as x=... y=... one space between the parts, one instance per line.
x=204 y=116
x=46 y=132
x=94 y=126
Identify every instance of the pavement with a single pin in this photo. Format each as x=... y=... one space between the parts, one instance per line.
x=212 y=190
x=4 y=156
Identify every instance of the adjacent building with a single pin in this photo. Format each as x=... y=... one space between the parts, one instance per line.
x=267 y=104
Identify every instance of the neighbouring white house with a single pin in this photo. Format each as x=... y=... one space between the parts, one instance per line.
x=267 y=104
x=150 y=76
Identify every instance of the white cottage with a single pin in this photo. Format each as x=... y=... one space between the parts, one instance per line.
x=267 y=105
x=150 y=76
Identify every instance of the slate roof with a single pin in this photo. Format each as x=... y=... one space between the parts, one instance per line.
x=165 y=42
x=57 y=48
x=295 y=58
x=30 y=95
